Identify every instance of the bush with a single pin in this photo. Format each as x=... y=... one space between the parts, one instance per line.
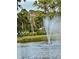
x=37 y=38
x=21 y=34
x=41 y=33
x=32 y=39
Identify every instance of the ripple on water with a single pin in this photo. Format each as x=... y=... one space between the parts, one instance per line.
x=39 y=51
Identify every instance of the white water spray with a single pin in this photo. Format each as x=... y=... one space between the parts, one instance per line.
x=51 y=26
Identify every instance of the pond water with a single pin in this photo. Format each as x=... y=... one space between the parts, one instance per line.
x=39 y=50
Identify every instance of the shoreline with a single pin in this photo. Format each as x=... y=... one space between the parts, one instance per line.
x=36 y=38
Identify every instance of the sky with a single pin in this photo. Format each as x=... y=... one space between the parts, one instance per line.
x=28 y=5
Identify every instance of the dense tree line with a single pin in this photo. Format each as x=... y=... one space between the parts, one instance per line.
x=32 y=21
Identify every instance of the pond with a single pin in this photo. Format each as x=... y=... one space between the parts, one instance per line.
x=39 y=50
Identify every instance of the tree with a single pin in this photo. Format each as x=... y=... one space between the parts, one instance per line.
x=49 y=6
x=23 y=21
x=37 y=19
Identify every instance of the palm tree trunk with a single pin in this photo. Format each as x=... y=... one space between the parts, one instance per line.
x=31 y=23
x=22 y=25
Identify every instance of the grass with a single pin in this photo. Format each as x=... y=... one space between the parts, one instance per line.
x=35 y=38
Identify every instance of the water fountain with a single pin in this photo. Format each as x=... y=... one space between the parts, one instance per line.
x=51 y=26
x=42 y=50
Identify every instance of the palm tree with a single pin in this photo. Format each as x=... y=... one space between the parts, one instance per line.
x=49 y=5
x=32 y=19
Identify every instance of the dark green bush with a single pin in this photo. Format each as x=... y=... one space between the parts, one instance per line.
x=41 y=33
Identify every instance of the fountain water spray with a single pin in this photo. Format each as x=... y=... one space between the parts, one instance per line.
x=51 y=26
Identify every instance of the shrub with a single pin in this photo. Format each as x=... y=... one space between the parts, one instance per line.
x=32 y=39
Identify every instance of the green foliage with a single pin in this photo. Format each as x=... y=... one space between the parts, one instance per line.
x=23 y=17
x=23 y=23
x=49 y=4
x=41 y=33
x=36 y=38
x=32 y=39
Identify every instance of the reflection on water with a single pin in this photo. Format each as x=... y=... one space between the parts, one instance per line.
x=39 y=50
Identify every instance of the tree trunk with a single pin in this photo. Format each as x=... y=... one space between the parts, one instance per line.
x=22 y=25
x=31 y=23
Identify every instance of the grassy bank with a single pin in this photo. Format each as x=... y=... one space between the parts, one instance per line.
x=36 y=38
